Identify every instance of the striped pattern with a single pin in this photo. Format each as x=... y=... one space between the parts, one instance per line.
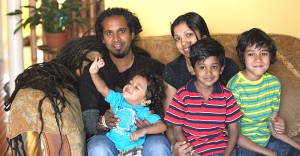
x=204 y=122
x=258 y=100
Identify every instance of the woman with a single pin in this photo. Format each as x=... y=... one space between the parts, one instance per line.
x=186 y=30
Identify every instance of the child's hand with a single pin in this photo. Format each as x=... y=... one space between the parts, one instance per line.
x=137 y=134
x=96 y=65
x=278 y=125
x=182 y=148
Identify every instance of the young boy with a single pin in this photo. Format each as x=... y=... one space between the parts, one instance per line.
x=203 y=109
x=258 y=94
x=141 y=91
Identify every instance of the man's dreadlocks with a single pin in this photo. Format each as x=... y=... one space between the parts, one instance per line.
x=75 y=52
x=50 y=78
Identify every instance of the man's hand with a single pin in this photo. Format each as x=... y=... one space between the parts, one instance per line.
x=111 y=119
x=278 y=125
x=142 y=123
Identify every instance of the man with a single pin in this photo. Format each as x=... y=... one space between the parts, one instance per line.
x=116 y=28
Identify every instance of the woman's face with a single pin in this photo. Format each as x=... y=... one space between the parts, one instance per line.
x=184 y=37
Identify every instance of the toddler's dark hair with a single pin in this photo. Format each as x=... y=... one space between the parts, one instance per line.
x=155 y=91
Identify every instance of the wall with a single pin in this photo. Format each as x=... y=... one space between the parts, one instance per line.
x=222 y=16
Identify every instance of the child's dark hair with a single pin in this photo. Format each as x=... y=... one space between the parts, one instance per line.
x=258 y=38
x=155 y=91
x=205 y=48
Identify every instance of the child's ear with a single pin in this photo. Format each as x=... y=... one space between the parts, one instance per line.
x=145 y=102
x=222 y=68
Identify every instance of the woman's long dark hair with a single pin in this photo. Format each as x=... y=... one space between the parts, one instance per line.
x=194 y=21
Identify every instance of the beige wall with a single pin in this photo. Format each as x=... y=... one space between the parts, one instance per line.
x=222 y=16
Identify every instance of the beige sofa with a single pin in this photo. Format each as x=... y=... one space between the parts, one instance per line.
x=286 y=68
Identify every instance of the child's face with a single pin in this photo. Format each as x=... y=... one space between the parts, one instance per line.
x=184 y=37
x=257 y=62
x=135 y=91
x=208 y=72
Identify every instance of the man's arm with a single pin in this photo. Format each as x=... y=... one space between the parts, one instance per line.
x=90 y=118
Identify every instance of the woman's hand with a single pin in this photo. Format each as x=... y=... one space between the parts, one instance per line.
x=182 y=148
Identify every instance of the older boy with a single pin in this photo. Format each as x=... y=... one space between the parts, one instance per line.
x=258 y=94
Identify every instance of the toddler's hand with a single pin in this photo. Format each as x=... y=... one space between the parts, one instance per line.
x=96 y=65
x=137 y=134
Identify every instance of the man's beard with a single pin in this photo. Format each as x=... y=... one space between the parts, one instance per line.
x=120 y=54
